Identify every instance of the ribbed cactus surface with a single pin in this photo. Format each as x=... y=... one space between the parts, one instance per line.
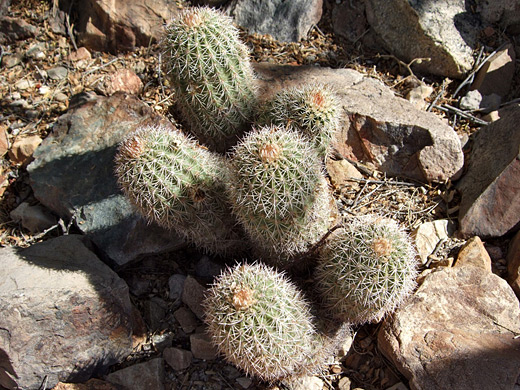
x=260 y=322
x=211 y=74
x=178 y=184
x=366 y=269
x=278 y=191
x=311 y=109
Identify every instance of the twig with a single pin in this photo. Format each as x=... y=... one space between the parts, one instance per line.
x=439 y=95
x=70 y=27
x=448 y=108
x=100 y=67
x=407 y=66
x=388 y=182
x=516 y=334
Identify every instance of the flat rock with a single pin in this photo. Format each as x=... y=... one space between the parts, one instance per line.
x=429 y=234
x=148 y=375
x=65 y=315
x=123 y=80
x=513 y=263
x=287 y=21
x=456 y=332
x=491 y=186
x=376 y=127
x=442 y=31
x=119 y=25
x=73 y=175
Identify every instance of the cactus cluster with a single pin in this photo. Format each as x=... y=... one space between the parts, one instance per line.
x=367 y=268
x=211 y=75
x=268 y=196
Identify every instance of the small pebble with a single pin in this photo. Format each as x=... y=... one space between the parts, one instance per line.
x=61 y=97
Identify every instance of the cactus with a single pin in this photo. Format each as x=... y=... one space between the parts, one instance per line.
x=366 y=269
x=279 y=193
x=312 y=109
x=260 y=322
x=175 y=182
x=211 y=74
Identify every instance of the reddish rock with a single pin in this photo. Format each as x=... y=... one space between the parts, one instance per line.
x=15 y=29
x=490 y=205
x=4 y=142
x=513 y=263
x=202 y=347
x=178 y=359
x=120 y=25
x=123 y=80
x=66 y=316
x=457 y=332
x=23 y=148
x=193 y=295
x=148 y=375
x=473 y=253
x=496 y=75
x=377 y=127
x=81 y=54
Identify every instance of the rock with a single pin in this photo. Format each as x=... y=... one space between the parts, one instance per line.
x=57 y=73
x=4 y=142
x=178 y=359
x=306 y=383
x=344 y=383
x=4 y=6
x=244 y=382
x=73 y=176
x=193 y=295
x=398 y=386
x=496 y=75
x=341 y=172
x=444 y=32
x=504 y=12
x=207 y=269
x=81 y=54
x=471 y=101
x=148 y=375
x=91 y=384
x=377 y=127
x=186 y=319
x=456 y=332
x=33 y=218
x=287 y=21
x=23 y=84
x=119 y=25
x=37 y=51
x=123 y=80
x=61 y=97
x=155 y=312
x=15 y=29
x=490 y=103
x=473 y=253
x=202 y=347
x=23 y=148
x=65 y=315
x=428 y=235
x=490 y=188
x=417 y=96
x=513 y=264
x=10 y=61
x=176 y=285
x=349 y=22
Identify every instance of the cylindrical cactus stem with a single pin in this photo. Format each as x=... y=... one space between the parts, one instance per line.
x=211 y=74
x=366 y=269
x=311 y=109
x=278 y=192
x=260 y=322
x=175 y=182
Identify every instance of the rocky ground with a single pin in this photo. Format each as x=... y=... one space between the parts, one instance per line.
x=40 y=75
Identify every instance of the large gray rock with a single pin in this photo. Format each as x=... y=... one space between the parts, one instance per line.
x=65 y=315
x=119 y=25
x=287 y=21
x=504 y=12
x=441 y=30
x=490 y=205
x=73 y=175
x=377 y=127
x=457 y=332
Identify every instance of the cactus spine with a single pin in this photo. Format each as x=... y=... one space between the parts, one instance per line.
x=211 y=74
x=175 y=182
x=312 y=109
x=366 y=269
x=259 y=321
x=278 y=192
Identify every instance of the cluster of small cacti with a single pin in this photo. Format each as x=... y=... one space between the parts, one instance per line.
x=268 y=196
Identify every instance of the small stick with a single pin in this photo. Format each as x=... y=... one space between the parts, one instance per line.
x=447 y=108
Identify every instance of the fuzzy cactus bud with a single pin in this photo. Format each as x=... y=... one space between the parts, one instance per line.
x=259 y=321
x=311 y=109
x=175 y=182
x=211 y=74
x=279 y=193
x=366 y=269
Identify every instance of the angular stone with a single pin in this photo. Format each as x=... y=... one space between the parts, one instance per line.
x=513 y=263
x=178 y=359
x=186 y=319
x=120 y=25
x=456 y=332
x=73 y=175
x=202 y=347
x=473 y=253
x=148 y=375
x=123 y=80
x=429 y=234
x=176 y=285
x=341 y=171
x=443 y=32
x=193 y=295
x=15 y=29
x=377 y=127
x=287 y=21
x=81 y=54
x=504 y=12
x=23 y=148
x=65 y=315
x=57 y=73
x=491 y=186
x=496 y=75
x=34 y=218
x=4 y=142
